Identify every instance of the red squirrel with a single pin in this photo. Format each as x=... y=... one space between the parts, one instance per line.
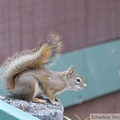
x=26 y=77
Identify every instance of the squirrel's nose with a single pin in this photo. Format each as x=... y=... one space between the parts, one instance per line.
x=85 y=84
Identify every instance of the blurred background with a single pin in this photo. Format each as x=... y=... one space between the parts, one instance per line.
x=90 y=31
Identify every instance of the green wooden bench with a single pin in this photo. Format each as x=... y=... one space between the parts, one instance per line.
x=8 y=112
x=100 y=67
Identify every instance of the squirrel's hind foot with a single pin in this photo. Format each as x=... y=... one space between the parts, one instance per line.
x=37 y=100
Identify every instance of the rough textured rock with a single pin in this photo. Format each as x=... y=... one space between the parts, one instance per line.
x=43 y=111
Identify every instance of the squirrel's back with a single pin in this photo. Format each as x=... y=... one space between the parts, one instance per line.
x=36 y=58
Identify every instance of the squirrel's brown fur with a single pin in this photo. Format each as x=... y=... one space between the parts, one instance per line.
x=36 y=58
x=26 y=77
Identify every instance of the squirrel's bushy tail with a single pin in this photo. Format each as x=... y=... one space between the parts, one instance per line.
x=36 y=58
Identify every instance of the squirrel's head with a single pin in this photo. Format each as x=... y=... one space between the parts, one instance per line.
x=74 y=81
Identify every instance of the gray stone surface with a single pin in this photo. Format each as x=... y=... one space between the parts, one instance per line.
x=45 y=111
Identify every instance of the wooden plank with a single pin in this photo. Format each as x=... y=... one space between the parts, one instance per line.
x=24 y=23
x=106 y=104
x=8 y=112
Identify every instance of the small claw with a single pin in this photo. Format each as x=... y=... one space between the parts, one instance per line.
x=57 y=103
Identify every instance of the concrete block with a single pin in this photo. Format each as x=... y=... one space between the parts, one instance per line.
x=45 y=111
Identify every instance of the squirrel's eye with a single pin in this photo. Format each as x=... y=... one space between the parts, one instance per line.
x=78 y=80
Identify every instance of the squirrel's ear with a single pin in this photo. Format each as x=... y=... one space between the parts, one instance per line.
x=70 y=72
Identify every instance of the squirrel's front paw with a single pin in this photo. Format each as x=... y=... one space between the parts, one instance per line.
x=55 y=102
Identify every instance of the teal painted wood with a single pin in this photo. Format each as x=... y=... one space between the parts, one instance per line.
x=8 y=112
x=100 y=67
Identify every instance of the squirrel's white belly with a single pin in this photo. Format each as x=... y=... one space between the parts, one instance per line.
x=38 y=90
